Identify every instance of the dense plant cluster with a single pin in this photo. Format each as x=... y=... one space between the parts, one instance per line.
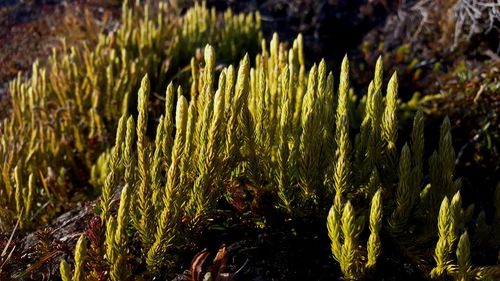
x=63 y=115
x=272 y=125
x=290 y=130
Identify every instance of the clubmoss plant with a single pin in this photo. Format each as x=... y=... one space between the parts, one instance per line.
x=67 y=111
x=442 y=248
x=80 y=255
x=247 y=124
x=65 y=271
x=285 y=129
x=463 y=258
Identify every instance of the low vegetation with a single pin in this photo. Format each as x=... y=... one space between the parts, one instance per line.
x=161 y=137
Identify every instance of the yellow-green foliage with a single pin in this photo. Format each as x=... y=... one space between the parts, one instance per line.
x=65 y=271
x=63 y=116
x=463 y=258
x=442 y=247
x=119 y=237
x=210 y=143
x=374 y=242
x=268 y=120
x=247 y=123
x=344 y=231
x=80 y=256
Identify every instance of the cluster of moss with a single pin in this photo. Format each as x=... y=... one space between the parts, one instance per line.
x=63 y=116
x=280 y=130
x=318 y=149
